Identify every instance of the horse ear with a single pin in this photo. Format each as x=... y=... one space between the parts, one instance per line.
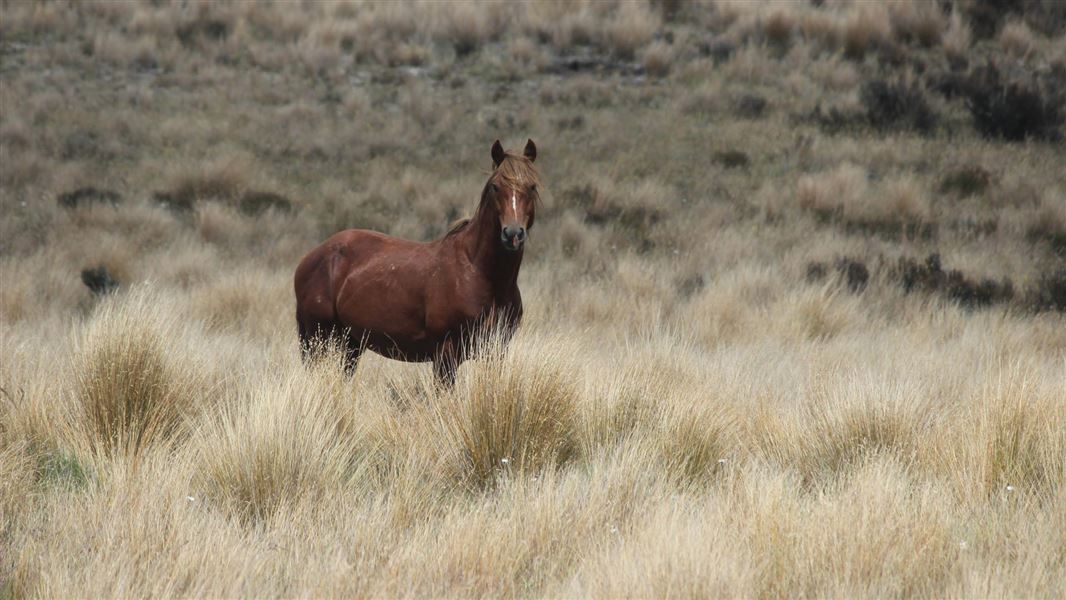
x=497 y=154
x=530 y=150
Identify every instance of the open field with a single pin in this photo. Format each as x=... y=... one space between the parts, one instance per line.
x=795 y=302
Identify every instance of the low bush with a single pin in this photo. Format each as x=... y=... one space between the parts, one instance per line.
x=750 y=106
x=1014 y=108
x=897 y=104
x=88 y=195
x=99 y=280
x=732 y=159
x=852 y=272
x=965 y=181
x=1050 y=292
x=254 y=203
x=930 y=277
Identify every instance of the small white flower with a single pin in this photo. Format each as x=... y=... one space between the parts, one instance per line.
x=722 y=461
x=1010 y=488
x=614 y=529
x=962 y=545
x=505 y=460
x=190 y=498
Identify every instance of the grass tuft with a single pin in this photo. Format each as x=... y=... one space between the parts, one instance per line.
x=286 y=442
x=1015 y=108
x=132 y=388
x=515 y=413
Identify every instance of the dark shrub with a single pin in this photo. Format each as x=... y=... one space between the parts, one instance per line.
x=778 y=28
x=974 y=228
x=852 y=273
x=949 y=84
x=669 y=8
x=574 y=122
x=174 y=201
x=816 y=271
x=580 y=196
x=720 y=49
x=1050 y=292
x=966 y=180
x=256 y=203
x=1046 y=16
x=465 y=45
x=985 y=16
x=601 y=211
x=897 y=104
x=194 y=32
x=930 y=277
x=750 y=106
x=1050 y=232
x=732 y=159
x=99 y=281
x=636 y=222
x=86 y=145
x=833 y=119
x=690 y=286
x=1014 y=109
x=88 y=195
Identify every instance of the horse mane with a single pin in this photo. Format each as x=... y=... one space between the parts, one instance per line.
x=457 y=226
x=514 y=170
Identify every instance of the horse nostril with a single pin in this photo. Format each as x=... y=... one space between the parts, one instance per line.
x=513 y=235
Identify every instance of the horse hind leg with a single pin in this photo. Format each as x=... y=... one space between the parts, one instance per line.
x=308 y=345
x=353 y=349
x=316 y=338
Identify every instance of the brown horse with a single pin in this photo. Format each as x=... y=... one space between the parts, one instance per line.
x=418 y=301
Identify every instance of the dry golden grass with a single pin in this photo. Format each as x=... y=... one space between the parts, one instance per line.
x=708 y=396
x=1017 y=39
x=957 y=37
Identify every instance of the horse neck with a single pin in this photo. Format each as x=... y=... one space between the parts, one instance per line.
x=481 y=241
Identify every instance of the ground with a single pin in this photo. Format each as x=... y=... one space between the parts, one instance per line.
x=794 y=300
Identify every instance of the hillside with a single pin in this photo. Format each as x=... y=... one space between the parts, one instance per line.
x=794 y=300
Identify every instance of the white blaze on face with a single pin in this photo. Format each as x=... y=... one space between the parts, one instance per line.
x=514 y=204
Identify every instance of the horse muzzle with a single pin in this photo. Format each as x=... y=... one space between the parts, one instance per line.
x=513 y=237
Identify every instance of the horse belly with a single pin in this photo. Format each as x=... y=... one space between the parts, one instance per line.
x=399 y=349
x=383 y=306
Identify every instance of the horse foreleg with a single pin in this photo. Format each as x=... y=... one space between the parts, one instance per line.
x=445 y=364
x=352 y=351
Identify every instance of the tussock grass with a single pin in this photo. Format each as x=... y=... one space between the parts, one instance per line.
x=508 y=418
x=287 y=442
x=131 y=391
x=1017 y=39
x=895 y=207
x=763 y=354
x=1019 y=437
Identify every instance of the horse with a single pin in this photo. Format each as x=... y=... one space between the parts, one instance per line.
x=423 y=301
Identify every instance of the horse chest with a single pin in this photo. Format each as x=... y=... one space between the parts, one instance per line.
x=464 y=305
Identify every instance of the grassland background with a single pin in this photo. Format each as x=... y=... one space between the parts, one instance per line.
x=742 y=371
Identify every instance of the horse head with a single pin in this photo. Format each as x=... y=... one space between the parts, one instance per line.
x=512 y=191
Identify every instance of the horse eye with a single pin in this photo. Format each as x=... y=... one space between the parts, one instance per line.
x=495 y=187
x=533 y=188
